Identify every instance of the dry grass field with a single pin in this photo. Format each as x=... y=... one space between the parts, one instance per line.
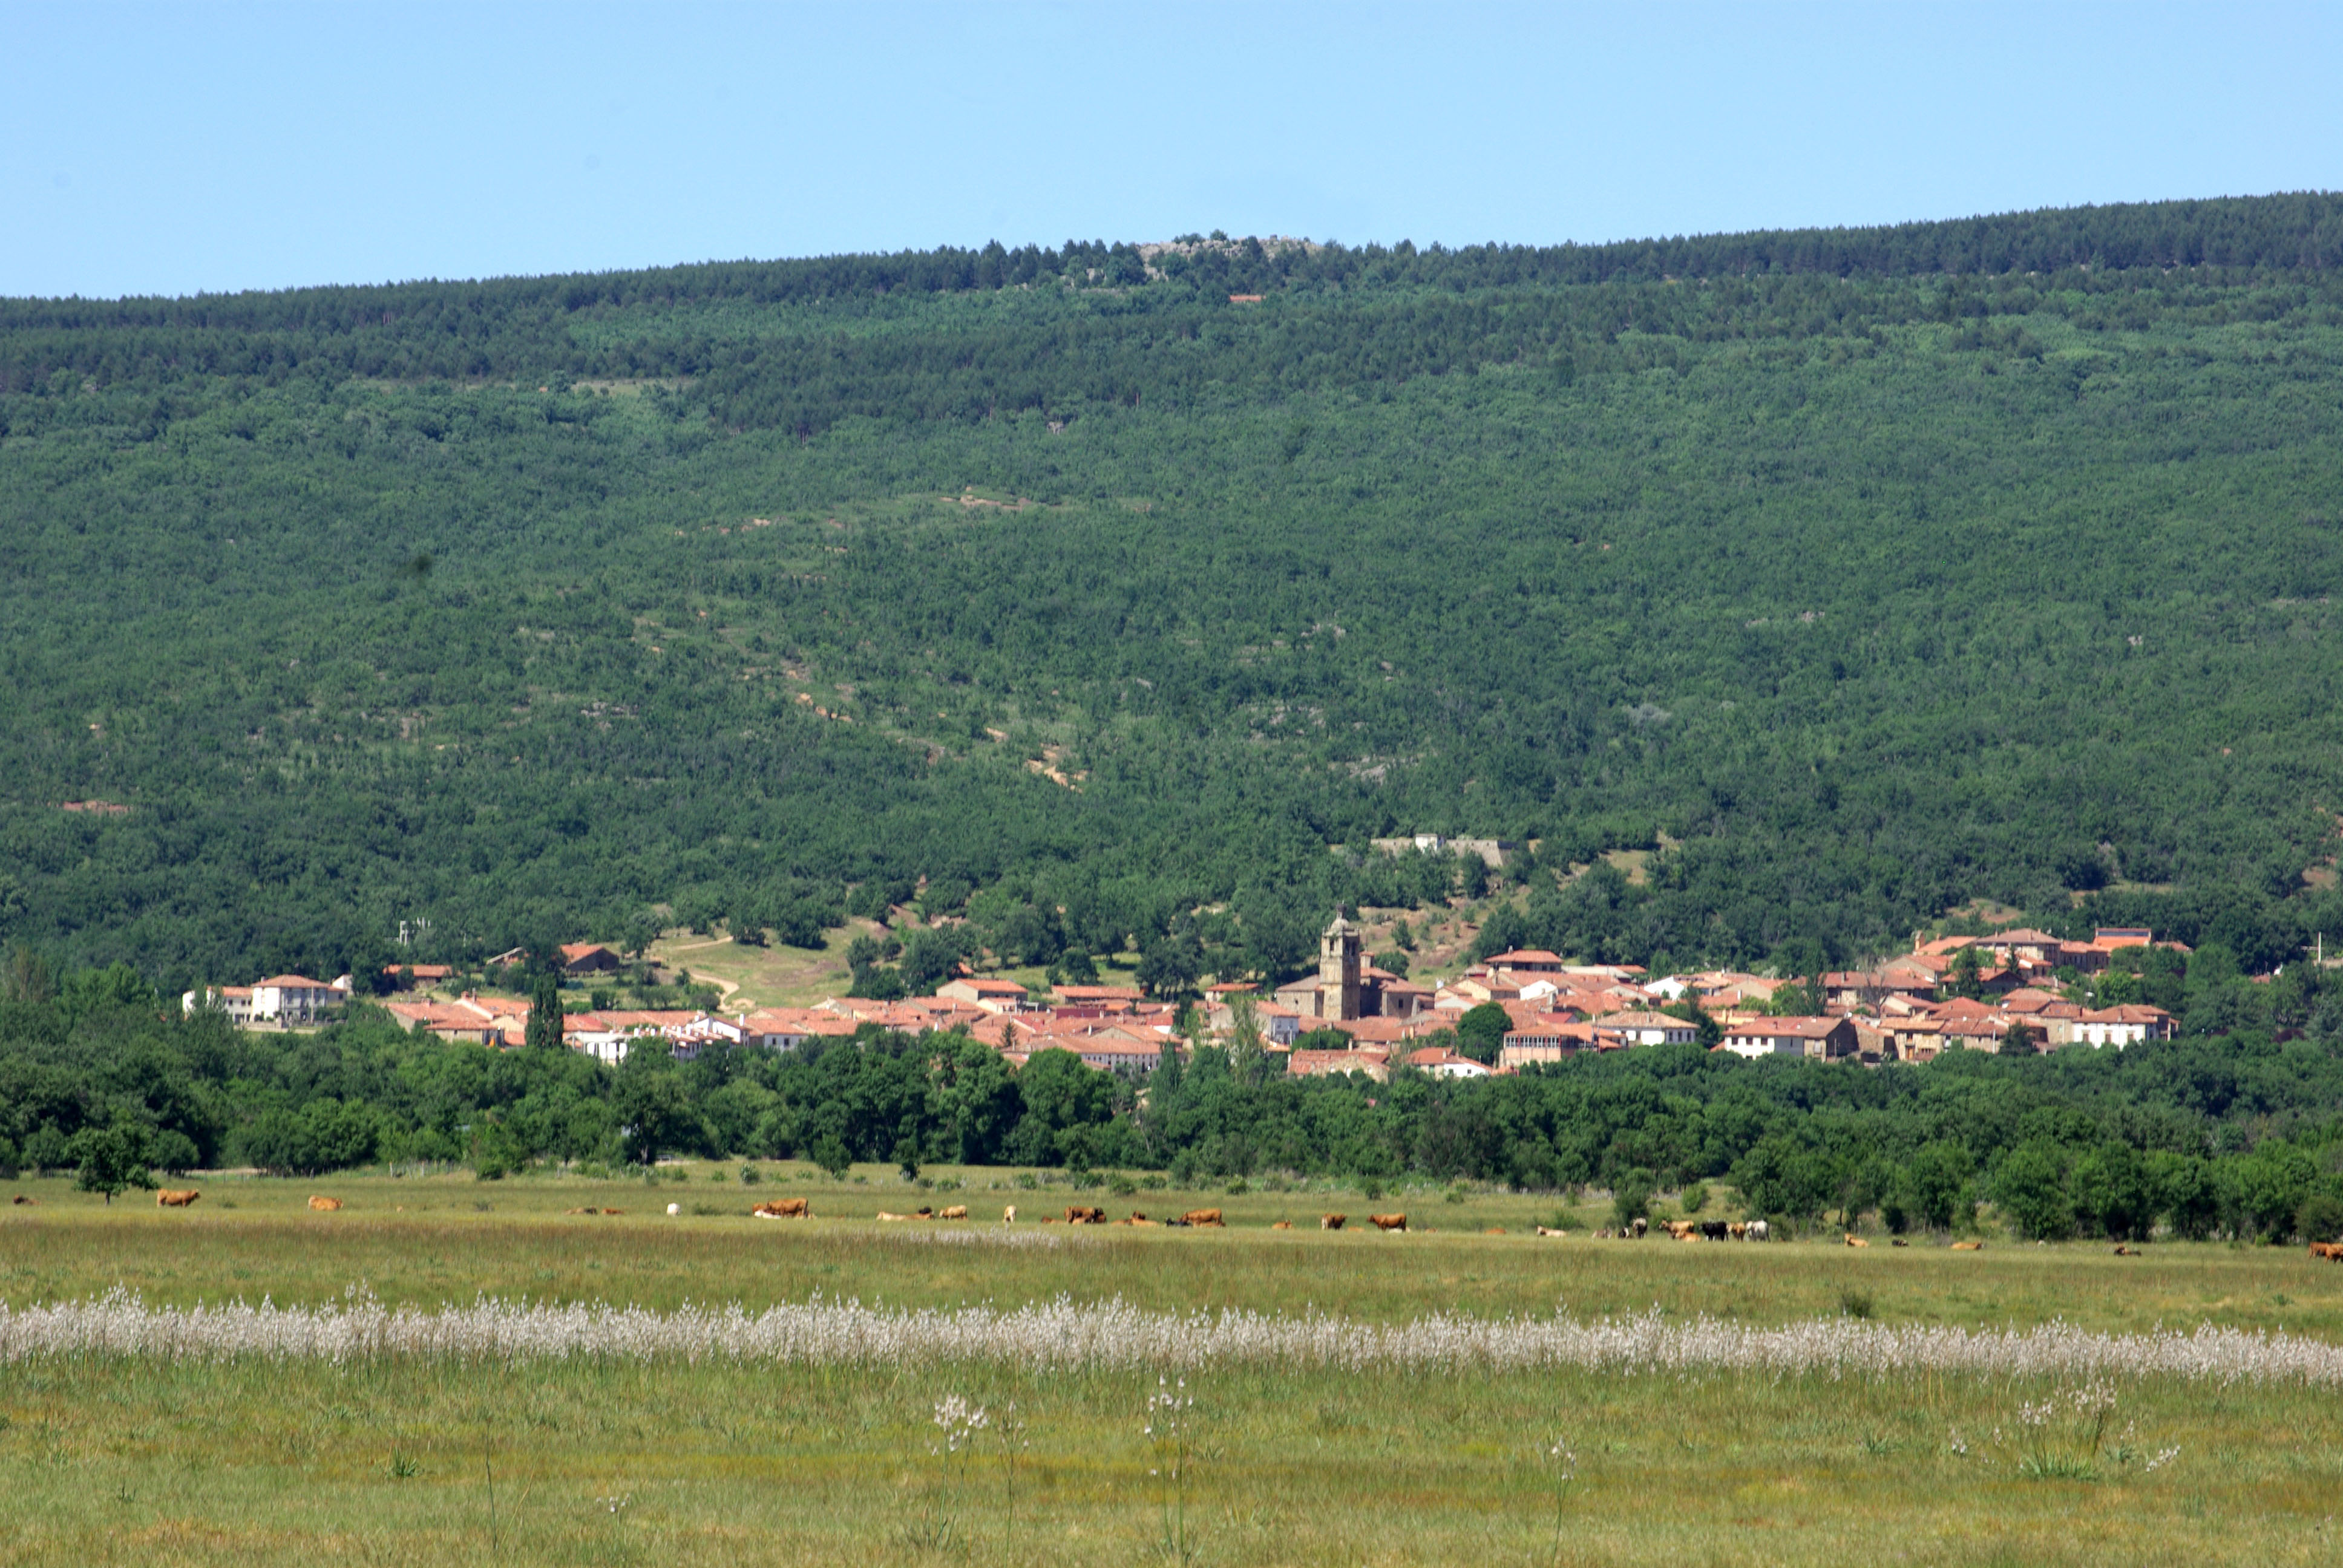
x=611 y=1458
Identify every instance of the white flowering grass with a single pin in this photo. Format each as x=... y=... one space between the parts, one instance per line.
x=1065 y=1334
x=1170 y=1419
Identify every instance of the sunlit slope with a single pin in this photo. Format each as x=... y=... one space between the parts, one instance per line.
x=1877 y=594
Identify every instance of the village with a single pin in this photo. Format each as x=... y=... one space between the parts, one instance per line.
x=2006 y=990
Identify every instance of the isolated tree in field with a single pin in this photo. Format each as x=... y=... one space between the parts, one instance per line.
x=109 y=1158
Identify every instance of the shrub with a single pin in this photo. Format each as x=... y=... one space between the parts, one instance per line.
x=1631 y=1196
x=2320 y=1219
x=1695 y=1197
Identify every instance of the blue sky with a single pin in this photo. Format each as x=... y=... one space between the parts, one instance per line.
x=184 y=148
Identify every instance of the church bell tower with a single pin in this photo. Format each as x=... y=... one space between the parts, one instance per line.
x=1338 y=971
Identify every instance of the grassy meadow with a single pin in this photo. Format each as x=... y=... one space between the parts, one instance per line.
x=607 y=1460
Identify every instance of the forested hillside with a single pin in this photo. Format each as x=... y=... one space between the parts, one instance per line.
x=1853 y=574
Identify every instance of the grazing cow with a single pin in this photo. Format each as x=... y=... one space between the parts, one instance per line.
x=1078 y=1215
x=1543 y=1230
x=2330 y=1251
x=1283 y=1225
x=1681 y=1230
x=1853 y=1240
x=1009 y=1215
x=1757 y=1230
x=1389 y=1221
x=1738 y=1230
x=1715 y=1229
x=1968 y=1246
x=324 y=1205
x=1636 y=1231
x=1202 y=1216
x=172 y=1198
x=957 y=1211
x=1332 y=1221
x=784 y=1209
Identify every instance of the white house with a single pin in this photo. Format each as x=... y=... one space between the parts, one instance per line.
x=286 y=1000
x=1829 y=1039
x=2117 y=1026
x=1648 y=1028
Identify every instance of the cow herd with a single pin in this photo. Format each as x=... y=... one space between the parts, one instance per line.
x=1211 y=1219
x=1635 y=1230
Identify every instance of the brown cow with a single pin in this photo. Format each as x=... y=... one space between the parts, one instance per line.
x=2330 y=1251
x=1492 y=1230
x=2123 y=1251
x=169 y=1198
x=1389 y=1221
x=957 y=1211
x=1078 y=1215
x=1968 y=1246
x=1202 y=1216
x=1332 y=1221
x=1009 y=1215
x=784 y=1209
x=1738 y=1230
x=1681 y=1229
x=1853 y=1240
x=324 y=1205
x=614 y=1210
x=20 y=1197
x=1283 y=1225
x=1139 y=1219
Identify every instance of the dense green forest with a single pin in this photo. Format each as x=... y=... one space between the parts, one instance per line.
x=2205 y=1136
x=1856 y=574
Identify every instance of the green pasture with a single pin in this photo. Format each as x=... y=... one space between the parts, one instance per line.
x=597 y=1462
x=427 y=1239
